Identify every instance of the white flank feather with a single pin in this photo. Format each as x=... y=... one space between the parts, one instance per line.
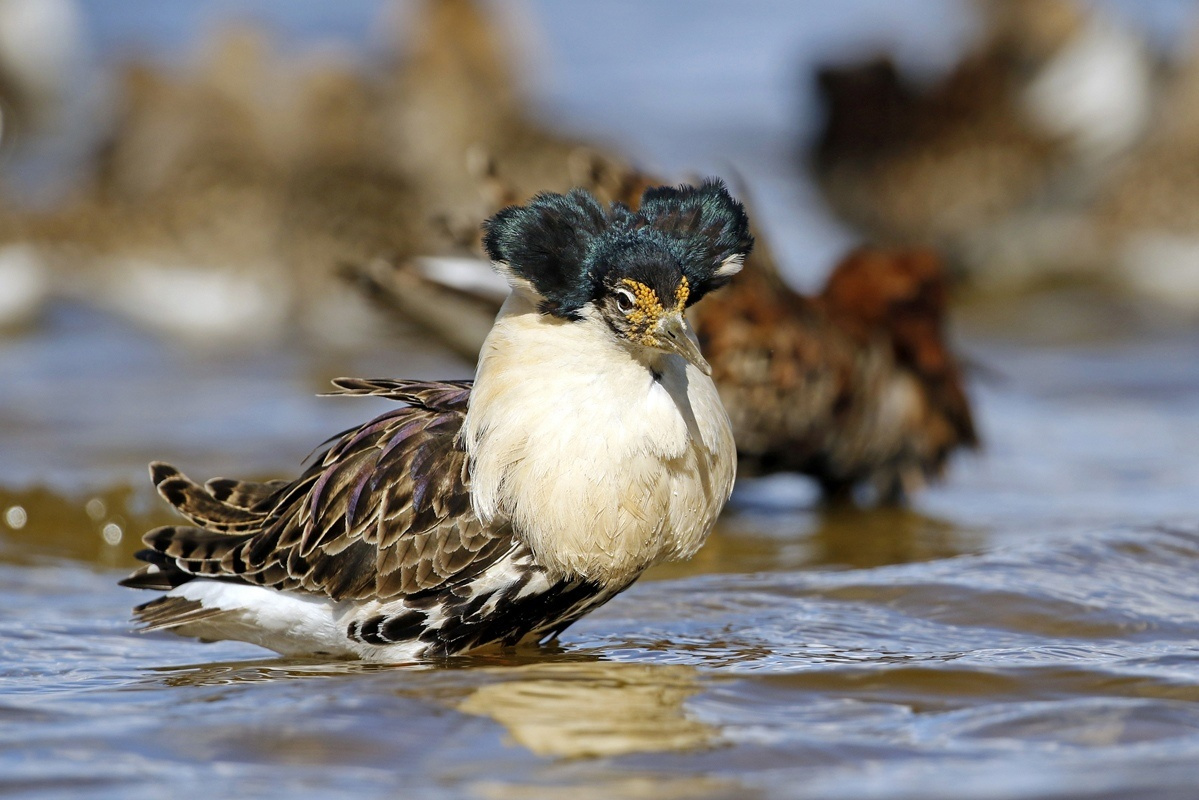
x=286 y=622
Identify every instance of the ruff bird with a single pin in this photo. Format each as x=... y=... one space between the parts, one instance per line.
x=463 y=128
x=989 y=163
x=229 y=194
x=855 y=386
x=1147 y=216
x=177 y=226
x=591 y=446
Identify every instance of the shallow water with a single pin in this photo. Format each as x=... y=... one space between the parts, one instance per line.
x=1029 y=629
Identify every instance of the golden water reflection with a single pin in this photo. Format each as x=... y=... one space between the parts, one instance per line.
x=837 y=537
x=102 y=527
x=645 y=786
x=601 y=708
x=876 y=537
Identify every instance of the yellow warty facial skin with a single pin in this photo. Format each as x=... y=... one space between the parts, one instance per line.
x=648 y=309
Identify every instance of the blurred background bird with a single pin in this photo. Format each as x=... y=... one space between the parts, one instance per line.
x=855 y=387
x=39 y=57
x=461 y=125
x=997 y=162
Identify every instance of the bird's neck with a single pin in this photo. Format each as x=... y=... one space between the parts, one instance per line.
x=603 y=463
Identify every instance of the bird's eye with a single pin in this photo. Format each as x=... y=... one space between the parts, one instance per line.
x=625 y=300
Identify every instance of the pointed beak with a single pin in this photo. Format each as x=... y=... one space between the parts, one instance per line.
x=673 y=337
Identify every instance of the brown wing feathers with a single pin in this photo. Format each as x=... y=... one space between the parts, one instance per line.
x=384 y=510
x=435 y=396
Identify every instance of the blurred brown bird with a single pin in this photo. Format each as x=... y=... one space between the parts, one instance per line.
x=1031 y=119
x=177 y=226
x=1147 y=214
x=228 y=194
x=463 y=130
x=855 y=386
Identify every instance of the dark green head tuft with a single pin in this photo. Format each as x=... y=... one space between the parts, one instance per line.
x=572 y=251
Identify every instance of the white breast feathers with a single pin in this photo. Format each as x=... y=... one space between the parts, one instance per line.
x=603 y=468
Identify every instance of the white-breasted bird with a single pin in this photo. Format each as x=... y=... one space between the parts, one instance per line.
x=591 y=446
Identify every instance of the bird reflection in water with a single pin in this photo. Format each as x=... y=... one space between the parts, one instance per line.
x=554 y=704
x=601 y=708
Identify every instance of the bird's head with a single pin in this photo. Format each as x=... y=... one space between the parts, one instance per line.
x=636 y=272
